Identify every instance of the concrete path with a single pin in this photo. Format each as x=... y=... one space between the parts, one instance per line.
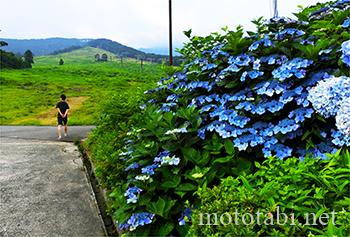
x=43 y=187
x=44 y=132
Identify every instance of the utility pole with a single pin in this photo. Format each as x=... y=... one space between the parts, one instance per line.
x=275 y=8
x=170 y=35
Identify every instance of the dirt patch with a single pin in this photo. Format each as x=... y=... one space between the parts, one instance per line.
x=49 y=117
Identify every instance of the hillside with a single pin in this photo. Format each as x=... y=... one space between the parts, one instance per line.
x=84 y=55
x=125 y=51
x=116 y=48
x=41 y=46
x=28 y=97
x=54 y=46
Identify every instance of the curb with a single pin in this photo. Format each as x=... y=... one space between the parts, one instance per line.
x=98 y=192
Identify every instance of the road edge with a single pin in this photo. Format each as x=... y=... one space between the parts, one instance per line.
x=99 y=193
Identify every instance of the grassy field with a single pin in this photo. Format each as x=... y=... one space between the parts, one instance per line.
x=29 y=96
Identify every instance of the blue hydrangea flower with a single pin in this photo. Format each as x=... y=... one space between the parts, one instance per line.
x=131 y=194
x=166 y=107
x=186 y=216
x=165 y=158
x=240 y=144
x=136 y=220
x=133 y=166
x=149 y=170
x=251 y=74
x=172 y=98
x=241 y=60
x=209 y=66
x=327 y=96
x=343 y=117
x=301 y=114
x=281 y=151
x=274 y=59
x=161 y=155
x=285 y=126
x=284 y=21
x=289 y=31
x=266 y=42
x=294 y=67
x=346 y=23
x=345 y=48
x=273 y=106
x=339 y=139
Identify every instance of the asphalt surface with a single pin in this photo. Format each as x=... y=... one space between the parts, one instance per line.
x=47 y=133
x=44 y=190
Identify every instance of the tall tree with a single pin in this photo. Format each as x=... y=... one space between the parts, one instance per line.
x=28 y=58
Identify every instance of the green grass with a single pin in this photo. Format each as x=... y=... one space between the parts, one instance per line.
x=28 y=96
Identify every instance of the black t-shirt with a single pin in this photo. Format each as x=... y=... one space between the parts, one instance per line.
x=63 y=106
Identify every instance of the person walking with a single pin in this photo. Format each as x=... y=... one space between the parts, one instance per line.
x=62 y=116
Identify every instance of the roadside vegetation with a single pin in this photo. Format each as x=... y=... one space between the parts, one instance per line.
x=230 y=121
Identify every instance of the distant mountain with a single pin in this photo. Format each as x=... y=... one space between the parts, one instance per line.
x=125 y=51
x=116 y=48
x=42 y=46
x=158 y=50
x=54 y=46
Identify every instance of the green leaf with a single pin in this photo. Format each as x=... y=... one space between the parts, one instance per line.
x=173 y=183
x=230 y=149
x=161 y=207
x=257 y=164
x=188 y=33
x=157 y=207
x=165 y=229
x=186 y=187
x=181 y=194
x=223 y=160
x=190 y=154
x=246 y=183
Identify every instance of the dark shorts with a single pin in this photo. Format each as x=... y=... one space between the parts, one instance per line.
x=62 y=121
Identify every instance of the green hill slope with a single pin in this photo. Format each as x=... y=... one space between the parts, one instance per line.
x=84 y=55
x=28 y=96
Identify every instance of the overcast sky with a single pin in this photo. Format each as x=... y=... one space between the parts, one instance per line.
x=136 y=23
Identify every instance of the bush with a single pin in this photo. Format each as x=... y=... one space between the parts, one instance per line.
x=105 y=142
x=291 y=187
x=237 y=100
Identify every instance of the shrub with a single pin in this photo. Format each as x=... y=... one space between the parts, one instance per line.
x=106 y=141
x=237 y=100
x=294 y=187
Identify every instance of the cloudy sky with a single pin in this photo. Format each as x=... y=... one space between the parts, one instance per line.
x=137 y=23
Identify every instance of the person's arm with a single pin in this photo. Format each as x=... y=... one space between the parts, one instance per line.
x=59 y=111
x=65 y=114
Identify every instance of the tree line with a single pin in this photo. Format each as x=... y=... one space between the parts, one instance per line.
x=12 y=61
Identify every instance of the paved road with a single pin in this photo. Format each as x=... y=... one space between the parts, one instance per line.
x=44 y=132
x=43 y=187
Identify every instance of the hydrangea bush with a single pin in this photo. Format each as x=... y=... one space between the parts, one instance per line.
x=281 y=91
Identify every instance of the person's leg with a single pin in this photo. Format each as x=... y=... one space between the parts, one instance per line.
x=59 y=125
x=59 y=131
x=65 y=121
